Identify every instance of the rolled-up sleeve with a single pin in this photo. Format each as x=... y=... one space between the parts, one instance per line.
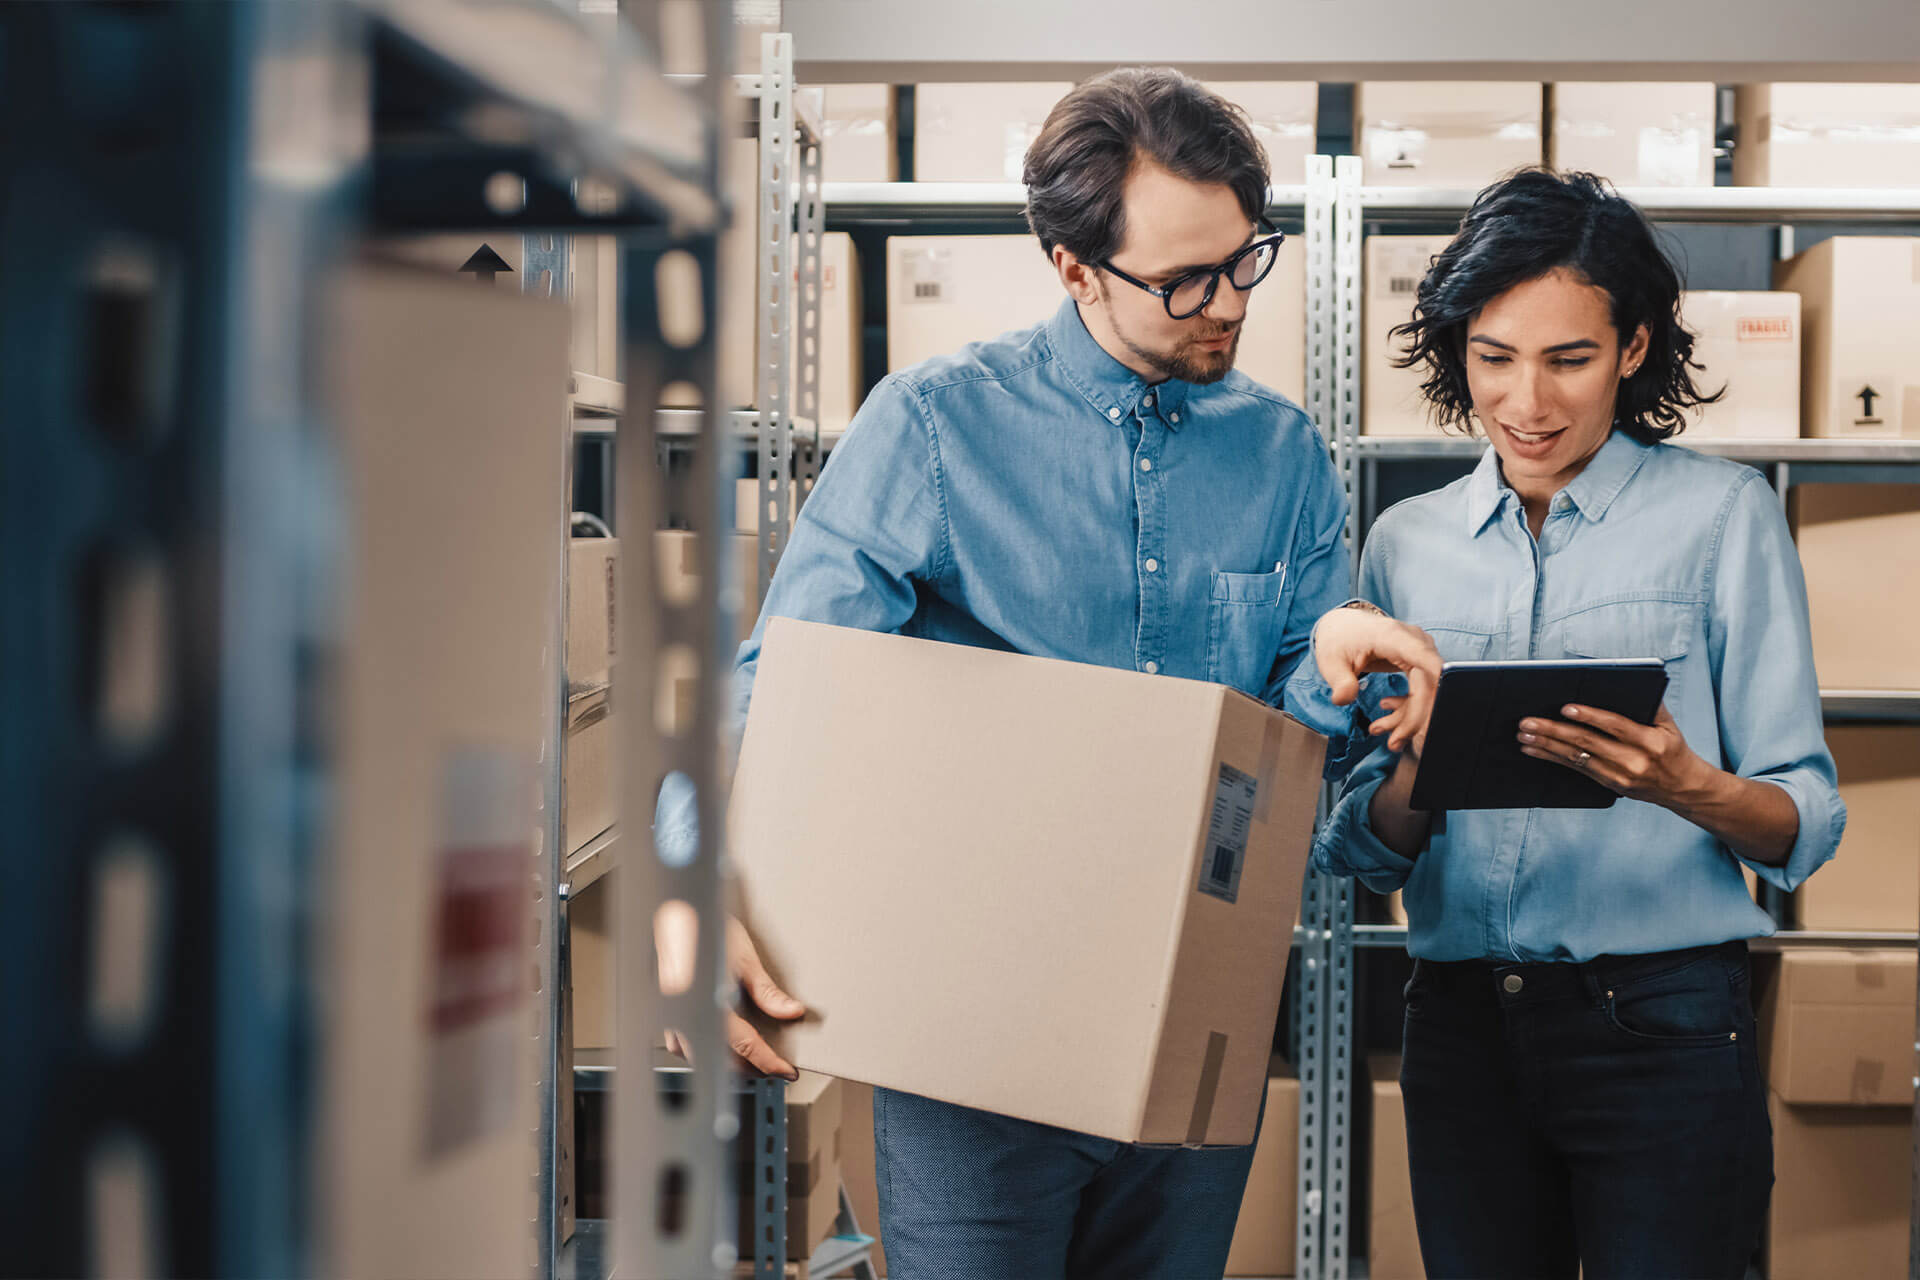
x=1761 y=647
x=874 y=525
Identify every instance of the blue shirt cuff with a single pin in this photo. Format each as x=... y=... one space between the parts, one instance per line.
x=1347 y=845
x=1822 y=818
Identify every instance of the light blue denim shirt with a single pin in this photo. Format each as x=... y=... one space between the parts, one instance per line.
x=1033 y=494
x=1652 y=551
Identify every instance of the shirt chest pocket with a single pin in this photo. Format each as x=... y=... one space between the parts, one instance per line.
x=1246 y=623
x=1660 y=629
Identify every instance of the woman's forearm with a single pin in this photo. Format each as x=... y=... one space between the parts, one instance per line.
x=1757 y=819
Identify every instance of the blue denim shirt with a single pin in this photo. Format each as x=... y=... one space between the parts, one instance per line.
x=1652 y=551
x=1033 y=494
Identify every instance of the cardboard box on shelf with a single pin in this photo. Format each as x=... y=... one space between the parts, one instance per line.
x=591 y=943
x=678 y=558
x=1827 y=135
x=1847 y=535
x=978 y=132
x=591 y=566
x=1873 y=881
x=841 y=317
x=683 y=34
x=1390 y=400
x=1393 y=1245
x=1421 y=133
x=1204 y=853
x=1860 y=308
x=586 y=791
x=1285 y=115
x=1748 y=344
x=1264 y=1235
x=856 y=1166
x=440 y=705
x=861 y=144
x=814 y=1108
x=1638 y=135
x=1842 y=1190
x=1836 y=1026
x=946 y=291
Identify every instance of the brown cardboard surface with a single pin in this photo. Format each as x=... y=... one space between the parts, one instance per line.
x=591 y=564
x=1393 y=1245
x=682 y=24
x=1848 y=534
x=1637 y=134
x=566 y=1165
x=1423 y=133
x=1066 y=913
x=1841 y=1192
x=856 y=1165
x=1390 y=400
x=1860 y=307
x=678 y=557
x=861 y=145
x=840 y=340
x=814 y=1109
x=1873 y=881
x=978 y=132
x=1836 y=1026
x=1264 y=1235
x=444 y=688
x=1285 y=116
x=590 y=934
x=1748 y=347
x=1827 y=135
x=586 y=790
x=946 y=291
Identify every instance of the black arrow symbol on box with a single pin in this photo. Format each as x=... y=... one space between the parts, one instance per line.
x=1866 y=396
x=485 y=264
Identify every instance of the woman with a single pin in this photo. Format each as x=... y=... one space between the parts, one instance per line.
x=1580 y=1077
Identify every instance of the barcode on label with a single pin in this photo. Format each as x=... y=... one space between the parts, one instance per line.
x=1228 y=827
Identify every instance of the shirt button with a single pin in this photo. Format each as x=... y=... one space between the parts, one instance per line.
x=1114 y=413
x=1153 y=566
x=1173 y=417
x=1146 y=464
x=1152 y=668
x=1148 y=401
x=1513 y=983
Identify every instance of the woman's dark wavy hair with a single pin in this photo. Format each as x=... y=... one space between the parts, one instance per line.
x=1523 y=227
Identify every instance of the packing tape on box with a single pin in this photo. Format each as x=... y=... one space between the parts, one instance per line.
x=1265 y=784
x=1869 y=1079
x=1209 y=1085
x=1870 y=975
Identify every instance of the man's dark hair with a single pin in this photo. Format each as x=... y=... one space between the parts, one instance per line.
x=1076 y=169
x=1520 y=229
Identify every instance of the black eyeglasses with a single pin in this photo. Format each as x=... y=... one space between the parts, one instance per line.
x=1188 y=295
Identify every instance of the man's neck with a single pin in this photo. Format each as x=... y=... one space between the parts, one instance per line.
x=1101 y=330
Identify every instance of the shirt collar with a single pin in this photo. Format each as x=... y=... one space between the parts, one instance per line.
x=1114 y=391
x=1591 y=492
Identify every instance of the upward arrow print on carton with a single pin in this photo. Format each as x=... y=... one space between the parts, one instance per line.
x=1866 y=396
x=485 y=264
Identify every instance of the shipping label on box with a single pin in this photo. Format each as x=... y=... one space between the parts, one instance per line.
x=1005 y=862
x=946 y=291
x=1390 y=398
x=1748 y=347
x=1837 y=1027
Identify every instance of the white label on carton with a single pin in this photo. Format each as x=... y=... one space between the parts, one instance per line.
x=1227 y=831
x=927 y=277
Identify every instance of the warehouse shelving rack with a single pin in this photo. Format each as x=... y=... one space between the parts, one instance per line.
x=1785 y=462
x=184 y=211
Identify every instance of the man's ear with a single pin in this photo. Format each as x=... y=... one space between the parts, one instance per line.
x=1076 y=276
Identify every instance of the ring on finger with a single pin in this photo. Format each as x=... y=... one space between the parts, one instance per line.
x=1583 y=759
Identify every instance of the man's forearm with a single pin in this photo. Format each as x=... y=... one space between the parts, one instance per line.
x=1399 y=826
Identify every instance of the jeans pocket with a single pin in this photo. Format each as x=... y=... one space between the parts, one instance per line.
x=1692 y=1004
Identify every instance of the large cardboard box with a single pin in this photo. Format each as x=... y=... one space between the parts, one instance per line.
x=1827 y=135
x=1285 y=115
x=587 y=792
x=1837 y=1026
x=1390 y=400
x=978 y=132
x=842 y=316
x=1860 y=303
x=1873 y=881
x=857 y=1166
x=1264 y=1235
x=980 y=824
x=591 y=943
x=677 y=554
x=861 y=143
x=591 y=566
x=1748 y=345
x=1848 y=535
x=1842 y=1192
x=1424 y=133
x=443 y=705
x=1393 y=1244
x=1638 y=135
x=814 y=1108
x=946 y=291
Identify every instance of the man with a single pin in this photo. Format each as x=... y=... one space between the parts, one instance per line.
x=1102 y=488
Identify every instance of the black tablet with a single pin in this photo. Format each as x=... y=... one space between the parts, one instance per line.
x=1473 y=759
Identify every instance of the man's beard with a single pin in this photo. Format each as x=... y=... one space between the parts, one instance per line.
x=1188 y=362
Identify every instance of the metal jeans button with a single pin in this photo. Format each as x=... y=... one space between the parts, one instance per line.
x=1513 y=983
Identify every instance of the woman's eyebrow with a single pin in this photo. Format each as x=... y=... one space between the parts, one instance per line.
x=1579 y=344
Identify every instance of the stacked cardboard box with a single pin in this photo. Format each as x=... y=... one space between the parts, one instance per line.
x=1285 y=116
x=861 y=144
x=978 y=132
x=1446 y=134
x=815 y=1106
x=1848 y=535
x=1393 y=1245
x=1837 y=1042
x=1748 y=347
x=587 y=793
x=1264 y=1236
x=1827 y=135
x=1638 y=135
x=1204 y=851
x=1390 y=400
x=1874 y=880
x=1860 y=303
